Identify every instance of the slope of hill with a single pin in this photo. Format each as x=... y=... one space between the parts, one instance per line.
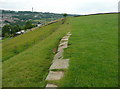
x=20 y=43
x=30 y=67
x=93 y=54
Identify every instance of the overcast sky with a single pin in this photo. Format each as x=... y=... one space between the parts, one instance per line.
x=62 y=6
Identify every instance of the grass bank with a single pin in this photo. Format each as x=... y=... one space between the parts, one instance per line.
x=93 y=52
x=20 y=43
x=30 y=68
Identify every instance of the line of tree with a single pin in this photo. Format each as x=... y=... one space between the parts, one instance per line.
x=65 y=15
x=10 y=30
x=29 y=25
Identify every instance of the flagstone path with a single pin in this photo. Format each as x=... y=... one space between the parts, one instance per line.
x=58 y=63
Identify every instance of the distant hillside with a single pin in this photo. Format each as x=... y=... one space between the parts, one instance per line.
x=20 y=17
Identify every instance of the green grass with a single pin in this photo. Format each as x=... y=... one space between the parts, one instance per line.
x=30 y=67
x=20 y=43
x=93 y=52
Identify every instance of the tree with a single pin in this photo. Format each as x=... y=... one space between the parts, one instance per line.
x=9 y=30
x=65 y=15
x=29 y=25
x=6 y=30
x=15 y=29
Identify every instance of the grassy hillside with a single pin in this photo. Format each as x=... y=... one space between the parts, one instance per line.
x=20 y=43
x=30 y=67
x=93 y=52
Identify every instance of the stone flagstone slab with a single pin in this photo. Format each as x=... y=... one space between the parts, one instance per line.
x=51 y=85
x=60 y=64
x=62 y=41
x=62 y=47
x=58 y=55
x=66 y=37
x=55 y=75
x=69 y=34
x=63 y=44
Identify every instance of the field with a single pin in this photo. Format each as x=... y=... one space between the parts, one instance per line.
x=93 y=53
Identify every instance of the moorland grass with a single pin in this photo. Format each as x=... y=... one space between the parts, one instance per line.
x=30 y=67
x=93 y=52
